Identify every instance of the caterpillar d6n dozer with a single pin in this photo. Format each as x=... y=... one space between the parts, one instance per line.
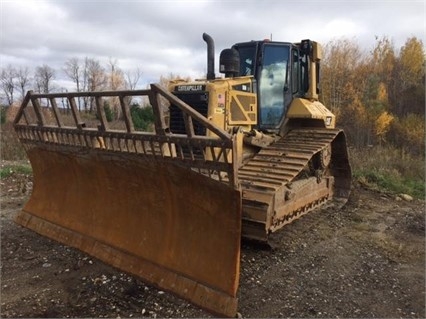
x=231 y=157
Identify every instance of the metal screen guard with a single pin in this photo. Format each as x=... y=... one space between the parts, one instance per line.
x=134 y=199
x=35 y=123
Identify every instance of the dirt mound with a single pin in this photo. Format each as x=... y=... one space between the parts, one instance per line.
x=365 y=260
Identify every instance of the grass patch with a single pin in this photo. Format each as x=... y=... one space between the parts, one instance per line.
x=389 y=169
x=9 y=170
x=390 y=182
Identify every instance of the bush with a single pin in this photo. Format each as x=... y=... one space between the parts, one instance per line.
x=143 y=117
x=108 y=112
x=3 y=110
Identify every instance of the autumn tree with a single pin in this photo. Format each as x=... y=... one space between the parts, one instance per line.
x=383 y=60
x=44 y=75
x=132 y=78
x=341 y=58
x=115 y=76
x=382 y=125
x=344 y=79
x=411 y=60
x=14 y=79
x=73 y=70
x=116 y=81
x=23 y=80
x=408 y=133
x=7 y=80
x=378 y=71
x=408 y=91
x=94 y=79
x=87 y=75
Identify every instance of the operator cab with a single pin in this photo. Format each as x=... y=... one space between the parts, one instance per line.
x=280 y=71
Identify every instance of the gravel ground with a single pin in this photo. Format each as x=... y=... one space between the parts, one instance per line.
x=366 y=260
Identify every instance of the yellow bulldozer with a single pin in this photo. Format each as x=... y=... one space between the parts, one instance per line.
x=232 y=157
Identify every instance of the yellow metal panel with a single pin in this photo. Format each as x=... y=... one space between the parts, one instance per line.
x=242 y=108
x=305 y=109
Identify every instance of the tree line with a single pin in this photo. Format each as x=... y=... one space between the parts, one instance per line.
x=378 y=96
x=87 y=74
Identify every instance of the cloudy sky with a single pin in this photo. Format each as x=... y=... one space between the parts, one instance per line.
x=161 y=37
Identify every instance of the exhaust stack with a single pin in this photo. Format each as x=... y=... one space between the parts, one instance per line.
x=210 y=56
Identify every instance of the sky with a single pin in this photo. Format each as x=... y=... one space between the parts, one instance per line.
x=161 y=37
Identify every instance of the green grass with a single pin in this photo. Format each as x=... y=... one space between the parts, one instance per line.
x=387 y=181
x=389 y=169
x=9 y=170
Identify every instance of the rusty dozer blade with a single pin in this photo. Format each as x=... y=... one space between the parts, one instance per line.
x=164 y=208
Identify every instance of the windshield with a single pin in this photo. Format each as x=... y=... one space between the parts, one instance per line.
x=272 y=81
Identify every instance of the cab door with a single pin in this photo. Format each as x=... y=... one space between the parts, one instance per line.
x=274 y=83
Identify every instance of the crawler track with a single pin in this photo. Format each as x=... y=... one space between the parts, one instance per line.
x=274 y=189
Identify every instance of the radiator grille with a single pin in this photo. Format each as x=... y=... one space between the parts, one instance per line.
x=199 y=102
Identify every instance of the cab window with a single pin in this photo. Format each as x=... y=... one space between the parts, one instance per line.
x=273 y=84
x=247 y=60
